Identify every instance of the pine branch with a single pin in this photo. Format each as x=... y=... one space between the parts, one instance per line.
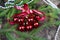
x=17 y=1
x=11 y=13
x=25 y=35
x=5 y=30
x=35 y=31
x=4 y=12
x=10 y=37
x=6 y=26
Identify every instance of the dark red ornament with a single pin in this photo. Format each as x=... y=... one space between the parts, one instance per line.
x=21 y=28
x=27 y=19
x=36 y=24
x=29 y=27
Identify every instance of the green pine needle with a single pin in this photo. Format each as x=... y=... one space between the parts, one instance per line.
x=4 y=12
x=10 y=37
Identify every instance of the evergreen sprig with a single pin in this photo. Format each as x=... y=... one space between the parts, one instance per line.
x=51 y=19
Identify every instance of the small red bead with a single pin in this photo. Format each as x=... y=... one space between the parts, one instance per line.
x=21 y=28
x=38 y=18
x=29 y=27
x=36 y=24
x=43 y=18
x=21 y=20
x=30 y=19
x=15 y=19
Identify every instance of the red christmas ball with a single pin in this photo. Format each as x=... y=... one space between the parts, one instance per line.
x=31 y=19
x=36 y=24
x=38 y=18
x=15 y=19
x=21 y=19
x=29 y=27
x=21 y=28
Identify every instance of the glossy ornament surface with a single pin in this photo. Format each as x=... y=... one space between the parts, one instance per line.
x=27 y=19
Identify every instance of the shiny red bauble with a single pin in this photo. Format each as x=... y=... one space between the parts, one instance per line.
x=27 y=19
x=21 y=28
x=35 y=24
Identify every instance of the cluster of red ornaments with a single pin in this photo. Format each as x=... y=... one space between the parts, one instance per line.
x=27 y=19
